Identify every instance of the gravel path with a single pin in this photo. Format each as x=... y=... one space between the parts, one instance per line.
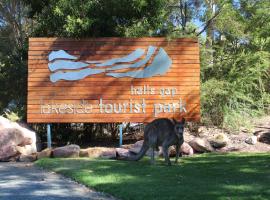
x=22 y=181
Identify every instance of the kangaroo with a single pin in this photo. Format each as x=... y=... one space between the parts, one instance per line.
x=162 y=132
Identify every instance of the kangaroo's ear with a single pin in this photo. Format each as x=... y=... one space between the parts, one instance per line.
x=183 y=121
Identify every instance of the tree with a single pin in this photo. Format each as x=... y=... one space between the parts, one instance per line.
x=240 y=63
x=77 y=18
x=14 y=29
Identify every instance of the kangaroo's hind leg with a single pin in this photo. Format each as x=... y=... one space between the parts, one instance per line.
x=153 y=155
x=178 y=153
x=153 y=144
x=165 y=147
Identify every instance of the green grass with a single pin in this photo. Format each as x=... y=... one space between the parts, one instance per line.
x=208 y=176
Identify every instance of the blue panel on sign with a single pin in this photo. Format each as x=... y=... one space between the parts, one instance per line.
x=66 y=64
x=160 y=65
x=60 y=54
x=140 y=63
x=81 y=69
x=76 y=75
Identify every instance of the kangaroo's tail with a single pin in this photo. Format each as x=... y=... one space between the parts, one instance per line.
x=139 y=155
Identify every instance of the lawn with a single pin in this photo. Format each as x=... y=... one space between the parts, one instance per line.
x=208 y=176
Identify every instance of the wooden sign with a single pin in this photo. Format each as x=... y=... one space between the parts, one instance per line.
x=112 y=80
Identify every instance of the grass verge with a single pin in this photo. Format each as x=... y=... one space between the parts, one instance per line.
x=207 y=176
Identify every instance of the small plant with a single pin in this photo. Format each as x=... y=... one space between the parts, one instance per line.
x=13 y=116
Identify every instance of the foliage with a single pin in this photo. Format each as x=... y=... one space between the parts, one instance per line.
x=207 y=176
x=12 y=116
x=78 y=18
x=13 y=71
x=235 y=69
x=214 y=96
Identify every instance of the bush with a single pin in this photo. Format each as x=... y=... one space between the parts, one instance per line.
x=214 y=97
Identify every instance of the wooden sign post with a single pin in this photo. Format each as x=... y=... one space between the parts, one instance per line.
x=112 y=80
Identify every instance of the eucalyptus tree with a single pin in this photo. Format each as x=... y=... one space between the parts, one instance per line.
x=14 y=30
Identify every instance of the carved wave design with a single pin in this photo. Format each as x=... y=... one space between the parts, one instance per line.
x=67 y=67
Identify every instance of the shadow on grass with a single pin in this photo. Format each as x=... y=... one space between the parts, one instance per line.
x=208 y=176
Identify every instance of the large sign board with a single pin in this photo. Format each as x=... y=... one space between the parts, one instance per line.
x=112 y=79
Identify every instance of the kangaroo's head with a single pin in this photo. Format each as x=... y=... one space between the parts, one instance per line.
x=179 y=128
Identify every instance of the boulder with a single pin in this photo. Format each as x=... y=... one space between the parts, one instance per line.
x=264 y=137
x=171 y=150
x=84 y=153
x=46 y=153
x=15 y=140
x=13 y=137
x=8 y=153
x=30 y=136
x=186 y=149
x=126 y=146
x=101 y=152
x=251 y=140
x=201 y=145
x=69 y=151
x=219 y=140
x=122 y=152
x=136 y=147
x=5 y=123
x=28 y=158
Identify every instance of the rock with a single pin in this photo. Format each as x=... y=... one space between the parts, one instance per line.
x=264 y=137
x=69 y=151
x=243 y=129
x=135 y=149
x=5 y=123
x=201 y=145
x=251 y=140
x=10 y=140
x=122 y=152
x=28 y=158
x=101 y=152
x=126 y=146
x=25 y=150
x=13 y=137
x=227 y=149
x=26 y=133
x=15 y=140
x=84 y=153
x=201 y=129
x=46 y=153
x=171 y=150
x=186 y=149
x=219 y=140
x=8 y=152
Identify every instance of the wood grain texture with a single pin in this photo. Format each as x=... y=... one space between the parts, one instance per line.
x=175 y=94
